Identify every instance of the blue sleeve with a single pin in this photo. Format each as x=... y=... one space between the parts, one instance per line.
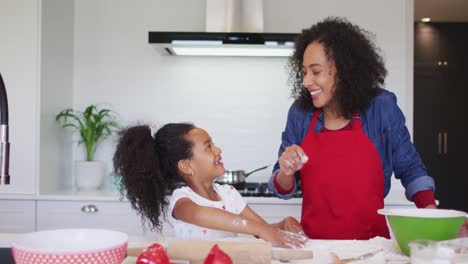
x=290 y=135
x=407 y=164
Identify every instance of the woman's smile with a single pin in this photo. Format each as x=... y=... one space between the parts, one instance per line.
x=316 y=93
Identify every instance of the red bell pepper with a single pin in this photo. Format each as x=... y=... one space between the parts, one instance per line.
x=217 y=256
x=154 y=254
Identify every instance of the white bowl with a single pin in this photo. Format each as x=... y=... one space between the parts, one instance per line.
x=65 y=246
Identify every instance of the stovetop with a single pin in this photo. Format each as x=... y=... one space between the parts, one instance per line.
x=260 y=189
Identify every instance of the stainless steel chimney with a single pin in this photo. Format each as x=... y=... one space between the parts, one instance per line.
x=233 y=28
x=4 y=144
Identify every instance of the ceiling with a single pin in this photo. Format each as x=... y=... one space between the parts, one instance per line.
x=441 y=10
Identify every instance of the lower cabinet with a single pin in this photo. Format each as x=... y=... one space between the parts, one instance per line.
x=17 y=216
x=117 y=216
x=20 y=216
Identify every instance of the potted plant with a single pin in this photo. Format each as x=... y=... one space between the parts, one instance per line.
x=93 y=125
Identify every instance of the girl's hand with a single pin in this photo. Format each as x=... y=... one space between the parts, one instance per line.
x=292 y=159
x=290 y=224
x=281 y=238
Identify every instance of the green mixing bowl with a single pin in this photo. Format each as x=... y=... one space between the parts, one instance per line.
x=414 y=224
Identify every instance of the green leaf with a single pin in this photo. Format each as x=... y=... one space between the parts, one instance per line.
x=92 y=124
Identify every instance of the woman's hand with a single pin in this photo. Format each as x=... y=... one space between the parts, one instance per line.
x=281 y=238
x=292 y=160
x=464 y=230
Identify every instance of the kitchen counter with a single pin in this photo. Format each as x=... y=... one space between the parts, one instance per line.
x=115 y=197
x=27 y=213
x=391 y=200
x=385 y=250
x=7 y=238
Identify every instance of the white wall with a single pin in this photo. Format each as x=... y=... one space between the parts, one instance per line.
x=19 y=65
x=56 y=93
x=241 y=102
x=390 y=21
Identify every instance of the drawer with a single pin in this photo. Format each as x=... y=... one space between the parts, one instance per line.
x=117 y=216
x=17 y=216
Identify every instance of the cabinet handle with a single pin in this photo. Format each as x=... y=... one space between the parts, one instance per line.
x=445 y=142
x=90 y=208
x=439 y=146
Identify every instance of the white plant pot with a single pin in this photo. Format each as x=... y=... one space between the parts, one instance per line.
x=89 y=175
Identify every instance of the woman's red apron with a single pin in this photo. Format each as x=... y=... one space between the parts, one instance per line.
x=342 y=185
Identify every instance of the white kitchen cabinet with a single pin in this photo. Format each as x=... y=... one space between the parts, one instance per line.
x=19 y=66
x=116 y=215
x=17 y=216
x=35 y=213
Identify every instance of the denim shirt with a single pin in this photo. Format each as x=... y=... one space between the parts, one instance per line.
x=384 y=124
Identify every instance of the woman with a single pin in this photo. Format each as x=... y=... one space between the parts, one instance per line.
x=345 y=136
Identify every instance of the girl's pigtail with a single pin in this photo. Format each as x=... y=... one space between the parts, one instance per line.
x=149 y=167
x=137 y=162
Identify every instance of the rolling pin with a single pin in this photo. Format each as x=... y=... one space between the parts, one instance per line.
x=280 y=254
x=240 y=252
x=285 y=254
x=135 y=252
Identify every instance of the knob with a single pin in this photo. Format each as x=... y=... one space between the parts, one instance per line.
x=90 y=208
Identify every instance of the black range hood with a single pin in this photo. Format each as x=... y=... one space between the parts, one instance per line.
x=222 y=43
x=232 y=28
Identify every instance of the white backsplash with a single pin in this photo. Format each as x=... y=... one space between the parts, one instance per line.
x=241 y=102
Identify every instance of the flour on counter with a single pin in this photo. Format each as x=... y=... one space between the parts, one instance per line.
x=387 y=252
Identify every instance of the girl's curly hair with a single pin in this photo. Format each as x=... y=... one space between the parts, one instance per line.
x=148 y=167
x=360 y=70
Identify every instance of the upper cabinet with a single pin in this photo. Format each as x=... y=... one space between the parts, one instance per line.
x=19 y=65
x=36 y=54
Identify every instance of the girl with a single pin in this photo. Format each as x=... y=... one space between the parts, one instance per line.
x=181 y=159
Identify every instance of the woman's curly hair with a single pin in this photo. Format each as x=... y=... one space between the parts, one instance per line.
x=148 y=167
x=360 y=69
